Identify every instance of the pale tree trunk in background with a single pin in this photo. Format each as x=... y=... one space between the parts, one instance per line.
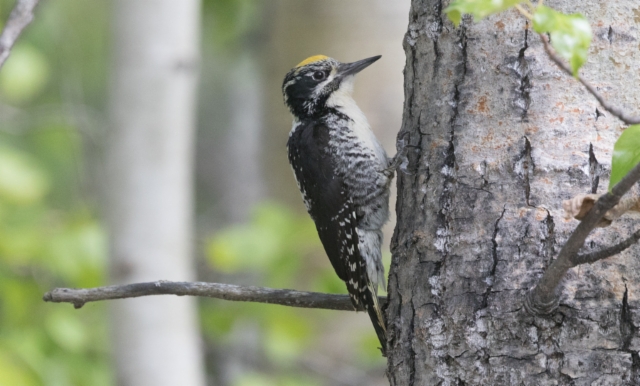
x=156 y=54
x=242 y=185
x=503 y=136
x=243 y=180
x=231 y=171
x=230 y=140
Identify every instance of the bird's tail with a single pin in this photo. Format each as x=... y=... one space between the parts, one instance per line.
x=372 y=305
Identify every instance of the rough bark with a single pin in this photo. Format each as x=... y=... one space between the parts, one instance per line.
x=156 y=53
x=501 y=137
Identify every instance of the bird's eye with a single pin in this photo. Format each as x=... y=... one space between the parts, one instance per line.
x=318 y=75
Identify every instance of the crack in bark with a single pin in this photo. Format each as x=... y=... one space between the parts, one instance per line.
x=463 y=43
x=524 y=167
x=627 y=331
x=438 y=13
x=413 y=71
x=635 y=368
x=410 y=40
x=550 y=240
x=438 y=30
x=485 y=182
x=494 y=255
x=559 y=356
x=594 y=169
x=523 y=99
x=449 y=164
x=449 y=181
x=393 y=339
x=412 y=352
x=446 y=198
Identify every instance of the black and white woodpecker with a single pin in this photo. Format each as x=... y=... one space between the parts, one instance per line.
x=343 y=174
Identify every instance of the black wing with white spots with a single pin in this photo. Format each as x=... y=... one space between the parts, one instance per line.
x=328 y=202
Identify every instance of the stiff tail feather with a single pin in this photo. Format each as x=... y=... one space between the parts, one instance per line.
x=372 y=305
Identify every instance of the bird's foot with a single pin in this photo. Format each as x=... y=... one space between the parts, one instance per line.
x=400 y=158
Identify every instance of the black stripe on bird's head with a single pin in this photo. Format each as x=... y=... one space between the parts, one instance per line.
x=308 y=86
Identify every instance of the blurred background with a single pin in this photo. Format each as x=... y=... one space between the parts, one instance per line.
x=66 y=93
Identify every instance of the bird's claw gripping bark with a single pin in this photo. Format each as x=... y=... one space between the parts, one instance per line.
x=400 y=159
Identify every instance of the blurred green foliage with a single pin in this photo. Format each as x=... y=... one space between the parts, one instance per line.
x=49 y=233
x=229 y=22
x=255 y=379
x=25 y=75
x=53 y=94
x=41 y=247
x=279 y=249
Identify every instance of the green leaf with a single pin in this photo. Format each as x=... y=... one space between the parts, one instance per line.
x=626 y=154
x=570 y=34
x=478 y=8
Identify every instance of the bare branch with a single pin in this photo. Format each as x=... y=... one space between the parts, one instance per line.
x=291 y=298
x=19 y=18
x=543 y=299
x=614 y=110
x=592 y=257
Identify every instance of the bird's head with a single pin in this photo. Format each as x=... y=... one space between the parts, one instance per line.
x=310 y=84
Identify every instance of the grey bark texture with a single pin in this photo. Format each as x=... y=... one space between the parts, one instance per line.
x=156 y=341
x=499 y=137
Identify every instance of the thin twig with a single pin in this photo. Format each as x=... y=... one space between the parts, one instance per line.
x=292 y=298
x=614 y=110
x=20 y=17
x=543 y=299
x=592 y=257
x=524 y=12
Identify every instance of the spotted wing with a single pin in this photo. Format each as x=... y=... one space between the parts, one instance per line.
x=325 y=197
x=328 y=202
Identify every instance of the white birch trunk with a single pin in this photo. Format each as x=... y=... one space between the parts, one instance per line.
x=155 y=72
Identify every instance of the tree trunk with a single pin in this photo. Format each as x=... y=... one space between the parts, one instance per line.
x=501 y=137
x=156 y=340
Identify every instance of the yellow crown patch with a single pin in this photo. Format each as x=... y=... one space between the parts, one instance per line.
x=312 y=59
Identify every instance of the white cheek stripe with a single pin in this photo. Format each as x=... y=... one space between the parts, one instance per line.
x=318 y=89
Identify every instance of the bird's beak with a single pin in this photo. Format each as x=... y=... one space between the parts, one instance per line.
x=346 y=69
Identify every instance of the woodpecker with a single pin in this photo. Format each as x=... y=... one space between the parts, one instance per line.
x=343 y=173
